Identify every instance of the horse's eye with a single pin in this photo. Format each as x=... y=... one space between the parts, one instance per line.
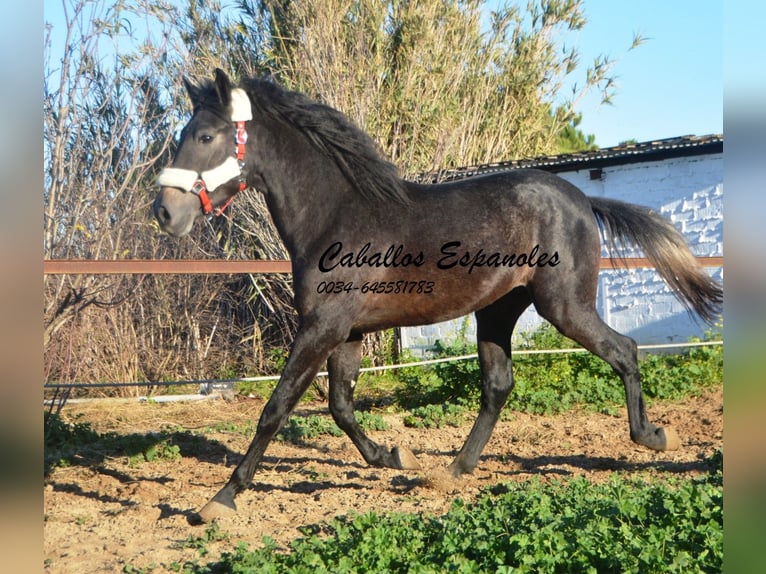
x=205 y=139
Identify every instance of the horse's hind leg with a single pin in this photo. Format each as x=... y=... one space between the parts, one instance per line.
x=494 y=326
x=580 y=322
x=343 y=368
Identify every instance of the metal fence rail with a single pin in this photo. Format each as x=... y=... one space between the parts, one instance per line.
x=163 y=266
x=222 y=266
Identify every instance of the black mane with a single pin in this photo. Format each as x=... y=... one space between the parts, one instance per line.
x=332 y=133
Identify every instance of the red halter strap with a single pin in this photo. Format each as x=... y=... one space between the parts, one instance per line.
x=200 y=190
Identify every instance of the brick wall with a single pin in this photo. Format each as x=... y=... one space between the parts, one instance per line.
x=636 y=302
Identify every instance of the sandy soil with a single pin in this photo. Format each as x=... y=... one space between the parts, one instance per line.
x=102 y=514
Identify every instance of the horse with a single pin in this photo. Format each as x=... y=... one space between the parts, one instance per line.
x=371 y=251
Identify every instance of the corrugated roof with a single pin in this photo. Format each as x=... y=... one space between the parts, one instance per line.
x=655 y=150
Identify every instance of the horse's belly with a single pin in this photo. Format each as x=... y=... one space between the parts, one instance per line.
x=432 y=299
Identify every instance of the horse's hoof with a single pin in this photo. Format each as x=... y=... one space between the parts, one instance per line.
x=213 y=510
x=405 y=459
x=456 y=469
x=442 y=480
x=670 y=438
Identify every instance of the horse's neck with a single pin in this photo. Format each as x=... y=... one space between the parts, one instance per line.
x=306 y=193
x=295 y=223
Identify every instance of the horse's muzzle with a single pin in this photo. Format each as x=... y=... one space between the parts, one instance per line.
x=175 y=211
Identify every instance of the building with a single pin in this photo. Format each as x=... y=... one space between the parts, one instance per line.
x=681 y=177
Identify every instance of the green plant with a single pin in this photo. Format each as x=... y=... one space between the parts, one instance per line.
x=212 y=533
x=623 y=525
x=555 y=382
x=370 y=421
x=419 y=386
x=246 y=428
x=61 y=438
x=143 y=448
x=60 y=435
x=675 y=376
x=300 y=429
x=155 y=451
x=436 y=416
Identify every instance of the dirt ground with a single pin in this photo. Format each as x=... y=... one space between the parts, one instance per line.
x=108 y=516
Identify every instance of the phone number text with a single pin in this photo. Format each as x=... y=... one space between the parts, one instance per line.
x=376 y=287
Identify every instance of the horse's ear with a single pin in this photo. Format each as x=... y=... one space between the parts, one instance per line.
x=223 y=87
x=193 y=90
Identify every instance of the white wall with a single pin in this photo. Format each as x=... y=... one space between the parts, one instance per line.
x=636 y=302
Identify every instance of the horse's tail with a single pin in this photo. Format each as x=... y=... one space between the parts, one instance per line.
x=665 y=247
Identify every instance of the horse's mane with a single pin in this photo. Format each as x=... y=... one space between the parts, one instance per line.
x=333 y=134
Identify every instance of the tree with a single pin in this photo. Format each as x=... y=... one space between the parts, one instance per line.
x=109 y=120
x=434 y=82
x=571 y=139
x=113 y=103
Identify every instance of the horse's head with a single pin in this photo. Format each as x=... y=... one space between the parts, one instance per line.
x=205 y=175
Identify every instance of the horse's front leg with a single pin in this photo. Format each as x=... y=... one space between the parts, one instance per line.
x=343 y=368
x=312 y=345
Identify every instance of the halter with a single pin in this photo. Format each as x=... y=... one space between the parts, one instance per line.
x=200 y=183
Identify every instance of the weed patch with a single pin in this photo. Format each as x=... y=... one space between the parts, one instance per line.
x=212 y=533
x=301 y=429
x=554 y=383
x=62 y=438
x=624 y=525
x=436 y=416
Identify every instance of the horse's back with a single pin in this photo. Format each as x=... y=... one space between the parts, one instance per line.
x=515 y=186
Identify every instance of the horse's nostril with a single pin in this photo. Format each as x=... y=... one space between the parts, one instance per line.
x=163 y=214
